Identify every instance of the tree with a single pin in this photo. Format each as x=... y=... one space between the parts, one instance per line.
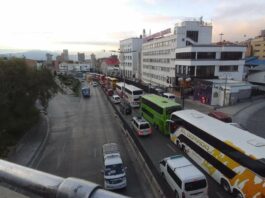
x=20 y=87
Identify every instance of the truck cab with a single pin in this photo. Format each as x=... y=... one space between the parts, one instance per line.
x=114 y=170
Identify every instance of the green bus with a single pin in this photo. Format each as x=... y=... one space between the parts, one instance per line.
x=157 y=109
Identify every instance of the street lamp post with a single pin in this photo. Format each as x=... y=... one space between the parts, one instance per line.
x=182 y=90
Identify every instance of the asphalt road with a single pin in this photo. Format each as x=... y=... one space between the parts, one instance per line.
x=253 y=118
x=78 y=129
x=159 y=146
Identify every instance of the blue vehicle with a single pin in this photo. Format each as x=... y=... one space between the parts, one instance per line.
x=85 y=91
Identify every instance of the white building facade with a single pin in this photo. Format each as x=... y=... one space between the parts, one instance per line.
x=158 y=50
x=66 y=68
x=130 y=53
x=158 y=61
x=210 y=61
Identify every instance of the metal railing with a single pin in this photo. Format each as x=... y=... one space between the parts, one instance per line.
x=47 y=185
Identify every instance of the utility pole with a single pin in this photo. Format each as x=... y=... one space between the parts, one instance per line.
x=225 y=89
x=221 y=37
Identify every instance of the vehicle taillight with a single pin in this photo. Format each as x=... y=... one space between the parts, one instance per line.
x=139 y=132
x=150 y=130
x=183 y=195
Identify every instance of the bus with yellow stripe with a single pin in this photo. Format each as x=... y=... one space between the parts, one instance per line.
x=235 y=158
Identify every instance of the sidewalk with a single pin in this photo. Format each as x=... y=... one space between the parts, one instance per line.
x=230 y=110
x=26 y=152
x=29 y=147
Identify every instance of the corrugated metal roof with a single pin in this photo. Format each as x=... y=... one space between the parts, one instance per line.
x=258 y=68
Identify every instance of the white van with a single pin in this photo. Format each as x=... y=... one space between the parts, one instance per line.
x=183 y=177
x=169 y=96
x=114 y=171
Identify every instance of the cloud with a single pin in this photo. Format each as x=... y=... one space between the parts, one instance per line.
x=159 y=18
x=232 y=32
x=97 y=43
x=240 y=8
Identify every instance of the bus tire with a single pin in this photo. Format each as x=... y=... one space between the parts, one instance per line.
x=162 y=175
x=237 y=194
x=176 y=194
x=179 y=145
x=225 y=185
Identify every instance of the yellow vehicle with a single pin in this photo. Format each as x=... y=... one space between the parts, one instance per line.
x=235 y=158
x=111 y=82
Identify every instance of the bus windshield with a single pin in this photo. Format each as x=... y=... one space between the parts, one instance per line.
x=114 y=169
x=195 y=185
x=138 y=92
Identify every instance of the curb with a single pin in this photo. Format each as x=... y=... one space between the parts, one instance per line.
x=154 y=185
x=40 y=148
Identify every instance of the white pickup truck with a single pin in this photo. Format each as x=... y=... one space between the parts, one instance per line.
x=114 y=171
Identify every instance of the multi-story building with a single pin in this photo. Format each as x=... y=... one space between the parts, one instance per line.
x=258 y=46
x=130 y=53
x=81 y=57
x=210 y=61
x=158 y=50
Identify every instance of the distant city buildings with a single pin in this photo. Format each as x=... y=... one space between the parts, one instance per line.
x=49 y=58
x=64 y=55
x=68 y=68
x=81 y=57
x=93 y=62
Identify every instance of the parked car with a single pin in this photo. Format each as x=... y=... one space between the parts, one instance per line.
x=125 y=107
x=220 y=116
x=116 y=99
x=169 y=96
x=95 y=84
x=185 y=179
x=159 y=91
x=141 y=126
x=109 y=92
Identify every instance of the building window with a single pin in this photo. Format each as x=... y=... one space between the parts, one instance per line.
x=228 y=68
x=185 y=55
x=193 y=35
x=231 y=55
x=206 y=55
x=205 y=71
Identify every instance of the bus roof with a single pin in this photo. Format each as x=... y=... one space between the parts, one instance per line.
x=130 y=87
x=159 y=100
x=238 y=138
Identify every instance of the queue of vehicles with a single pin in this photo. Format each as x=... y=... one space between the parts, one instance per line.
x=236 y=162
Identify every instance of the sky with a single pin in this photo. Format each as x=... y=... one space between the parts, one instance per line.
x=98 y=25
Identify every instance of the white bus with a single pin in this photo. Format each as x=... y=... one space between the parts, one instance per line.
x=131 y=93
x=234 y=157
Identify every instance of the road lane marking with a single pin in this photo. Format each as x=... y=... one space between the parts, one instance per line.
x=172 y=148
